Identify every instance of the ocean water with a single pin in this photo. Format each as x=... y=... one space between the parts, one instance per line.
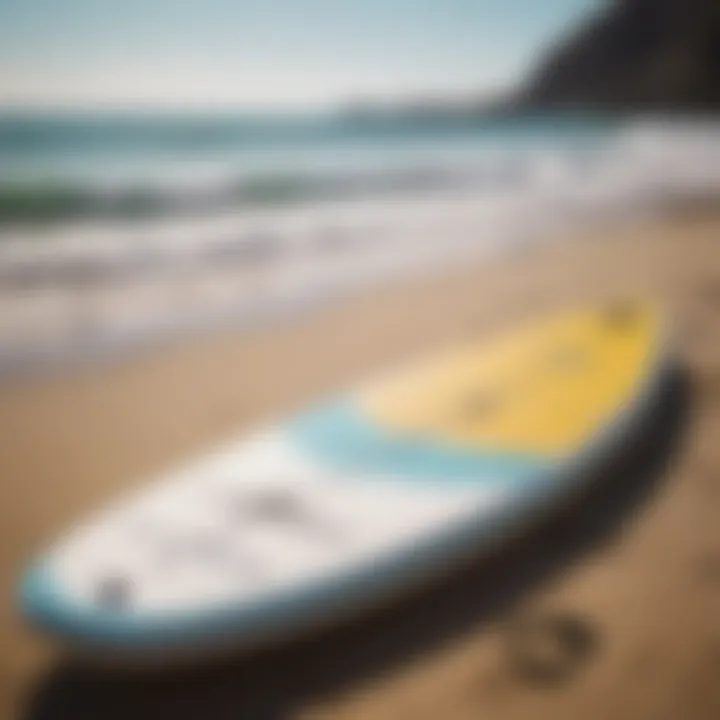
x=61 y=167
x=121 y=230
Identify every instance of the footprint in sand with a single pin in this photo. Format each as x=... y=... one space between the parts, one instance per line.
x=549 y=649
x=706 y=567
x=711 y=291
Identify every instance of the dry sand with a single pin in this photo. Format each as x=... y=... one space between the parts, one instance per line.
x=642 y=578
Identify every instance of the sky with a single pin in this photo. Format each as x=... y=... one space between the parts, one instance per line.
x=268 y=53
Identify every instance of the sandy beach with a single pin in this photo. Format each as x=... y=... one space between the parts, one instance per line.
x=645 y=585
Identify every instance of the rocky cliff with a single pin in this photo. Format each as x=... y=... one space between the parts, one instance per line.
x=636 y=55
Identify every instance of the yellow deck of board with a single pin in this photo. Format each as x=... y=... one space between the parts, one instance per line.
x=543 y=389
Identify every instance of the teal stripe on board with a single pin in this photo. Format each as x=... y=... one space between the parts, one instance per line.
x=337 y=434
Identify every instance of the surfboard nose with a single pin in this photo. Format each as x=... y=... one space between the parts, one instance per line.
x=46 y=604
x=104 y=619
x=38 y=596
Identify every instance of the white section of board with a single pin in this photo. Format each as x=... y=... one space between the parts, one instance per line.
x=249 y=521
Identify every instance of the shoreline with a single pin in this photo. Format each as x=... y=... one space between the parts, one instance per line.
x=92 y=288
x=106 y=315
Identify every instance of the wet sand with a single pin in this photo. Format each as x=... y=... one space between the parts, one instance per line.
x=639 y=576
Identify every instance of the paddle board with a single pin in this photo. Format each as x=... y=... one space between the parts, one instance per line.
x=356 y=498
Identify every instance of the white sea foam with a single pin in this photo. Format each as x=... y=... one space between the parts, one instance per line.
x=83 y=288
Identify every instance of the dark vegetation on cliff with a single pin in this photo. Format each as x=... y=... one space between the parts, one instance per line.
x=656 y=55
